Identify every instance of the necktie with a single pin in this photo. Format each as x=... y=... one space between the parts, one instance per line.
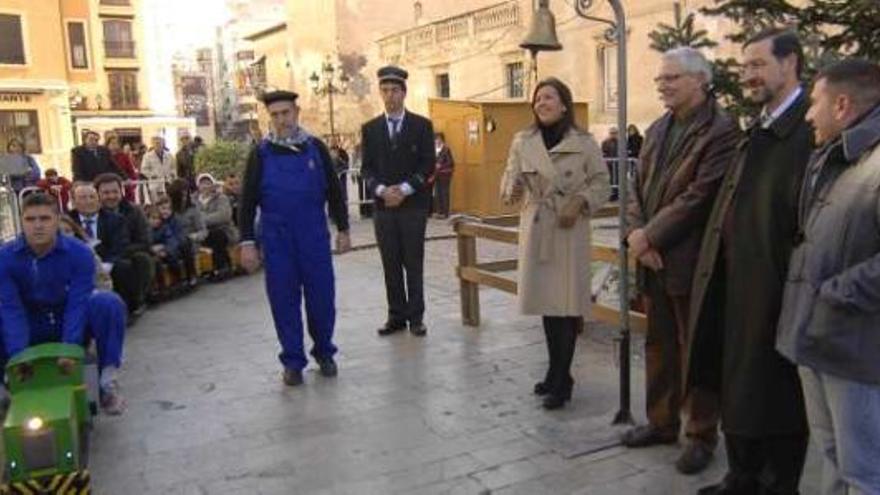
x=395 y=128
x=89 y=223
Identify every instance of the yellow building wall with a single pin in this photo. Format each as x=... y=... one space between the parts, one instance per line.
x=43 y=40
x=278 y=73
x=40 y=85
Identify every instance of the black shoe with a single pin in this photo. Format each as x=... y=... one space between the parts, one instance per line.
x=695 y=458
x=647 y=435
x=418 y=329
x=390 y=328
x=541 y=388
x=328 y=367
x=553 y=401
x=731 y=486
x=292 y=378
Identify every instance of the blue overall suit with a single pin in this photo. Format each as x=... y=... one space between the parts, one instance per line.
x=296 y=250
x=53 y=299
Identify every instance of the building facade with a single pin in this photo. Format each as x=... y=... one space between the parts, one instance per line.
x=76 y=66
x=474 y=54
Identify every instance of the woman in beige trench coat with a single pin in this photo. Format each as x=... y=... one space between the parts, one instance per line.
x=556 y=170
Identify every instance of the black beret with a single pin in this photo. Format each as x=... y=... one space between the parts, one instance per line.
x=280 y=95
x=391 y=73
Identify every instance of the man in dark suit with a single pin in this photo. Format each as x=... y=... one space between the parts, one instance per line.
x=683 y=160
x=398 y=158
x=91 y=160
x=110 y=193
x=109 y=234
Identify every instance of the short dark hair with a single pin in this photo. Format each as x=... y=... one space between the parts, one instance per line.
x=857 y=77
x=92 y=133
x=785 y=43
x=39 y=199
x=107 y=178
x=567 y=120
x=440 y=135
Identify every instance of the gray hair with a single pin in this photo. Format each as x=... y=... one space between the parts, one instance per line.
x=691 y=60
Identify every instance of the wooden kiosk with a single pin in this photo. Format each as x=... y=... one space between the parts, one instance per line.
x=479 y=134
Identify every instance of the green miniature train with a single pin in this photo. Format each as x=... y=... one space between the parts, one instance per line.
x=46 y=432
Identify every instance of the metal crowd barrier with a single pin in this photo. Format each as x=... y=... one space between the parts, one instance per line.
x=9 y=216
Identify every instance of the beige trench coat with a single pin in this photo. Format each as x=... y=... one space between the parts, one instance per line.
x=554 y=263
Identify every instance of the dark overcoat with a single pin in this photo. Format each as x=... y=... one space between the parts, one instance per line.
x=739 y=280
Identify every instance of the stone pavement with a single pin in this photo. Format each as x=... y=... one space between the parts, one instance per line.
x=451 y=413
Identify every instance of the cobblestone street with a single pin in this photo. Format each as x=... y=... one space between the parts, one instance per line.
x=451 y=413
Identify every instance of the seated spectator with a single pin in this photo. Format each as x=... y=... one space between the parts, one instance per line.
x=111 y=230
x=137 y=252
x=68 y=227
x=123 y=161
x=47 y=294
x=188 y=215
x=57 y=186
x=169 y=244
x=232 y=190
x=217 y=214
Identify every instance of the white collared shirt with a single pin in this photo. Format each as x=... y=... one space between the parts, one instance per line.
x=768 y=119
x=388 y=122
x=404 y=186
x=93 y=231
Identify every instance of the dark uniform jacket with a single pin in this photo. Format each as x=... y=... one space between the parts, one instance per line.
x=409 y=159
x=741 y=272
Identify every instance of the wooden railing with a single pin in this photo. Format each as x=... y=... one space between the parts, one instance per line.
x=472 y=273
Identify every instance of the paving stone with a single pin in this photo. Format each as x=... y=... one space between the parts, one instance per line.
x=450 y=414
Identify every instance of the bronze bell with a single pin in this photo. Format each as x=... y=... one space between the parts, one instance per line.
x=542 y=35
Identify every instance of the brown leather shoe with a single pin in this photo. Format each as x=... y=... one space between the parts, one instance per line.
x=695 y=458
x=647 y=435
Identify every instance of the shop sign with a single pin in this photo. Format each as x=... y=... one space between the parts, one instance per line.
x=8 y=97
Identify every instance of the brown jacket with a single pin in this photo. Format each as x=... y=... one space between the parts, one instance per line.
x=686 y=189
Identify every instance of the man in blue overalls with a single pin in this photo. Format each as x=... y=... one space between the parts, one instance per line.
x=290 y=178
x=47 y=294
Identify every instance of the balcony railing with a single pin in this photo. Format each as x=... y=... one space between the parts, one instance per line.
x=119 y=48
x=460 y=27
x=116 y=2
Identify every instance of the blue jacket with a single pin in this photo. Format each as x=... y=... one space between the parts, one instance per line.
x=170 y=235
x=44 y=296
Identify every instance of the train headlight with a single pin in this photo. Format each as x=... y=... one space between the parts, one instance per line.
x=35 y=423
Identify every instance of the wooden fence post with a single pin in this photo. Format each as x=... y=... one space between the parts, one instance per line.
x=470 y=291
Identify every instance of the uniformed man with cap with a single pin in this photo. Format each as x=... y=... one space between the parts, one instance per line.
x=290 y=178
x=398 y=158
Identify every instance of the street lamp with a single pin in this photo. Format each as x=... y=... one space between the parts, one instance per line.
x=542 y=37
x=324 y=85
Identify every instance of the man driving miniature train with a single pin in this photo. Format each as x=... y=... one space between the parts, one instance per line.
x=47 y=294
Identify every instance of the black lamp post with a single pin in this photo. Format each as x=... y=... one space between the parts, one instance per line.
x=542 y=37
x=324 y=85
